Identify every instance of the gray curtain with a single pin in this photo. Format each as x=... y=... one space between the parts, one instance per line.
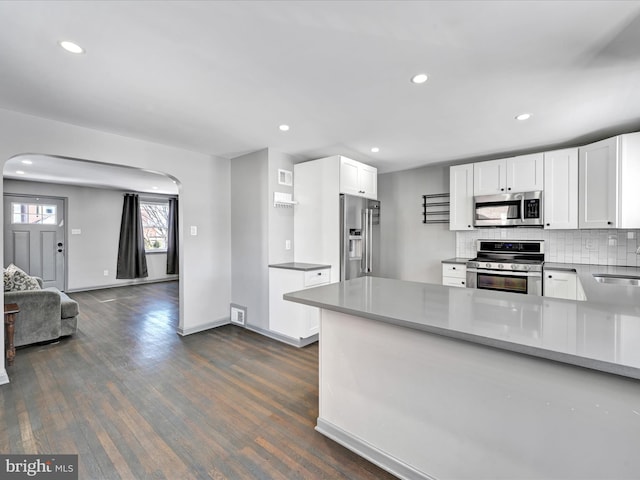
x=172 y=237
x=132 y=261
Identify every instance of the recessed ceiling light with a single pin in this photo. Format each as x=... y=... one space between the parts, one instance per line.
x=523 y=116
x=154 y=187
x=284 y=128
x=71 y=47
x=19 y=172
x=27 y=162
x=419 y=78
x=375 y=149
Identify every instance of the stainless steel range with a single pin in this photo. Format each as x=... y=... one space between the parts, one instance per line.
x=513 y=266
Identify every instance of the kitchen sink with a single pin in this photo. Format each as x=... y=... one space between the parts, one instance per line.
x=622 y=280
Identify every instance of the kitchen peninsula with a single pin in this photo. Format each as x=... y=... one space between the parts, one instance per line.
x=430 y=381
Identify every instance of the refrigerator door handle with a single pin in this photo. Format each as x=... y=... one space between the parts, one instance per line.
x=365 y=246
x=369 y=240
x=367 y=225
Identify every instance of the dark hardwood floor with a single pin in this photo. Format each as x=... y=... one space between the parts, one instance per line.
x=136 y=401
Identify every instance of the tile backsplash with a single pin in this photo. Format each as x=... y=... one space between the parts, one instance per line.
x=596 y=247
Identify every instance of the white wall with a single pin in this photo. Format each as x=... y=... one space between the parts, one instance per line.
x=97 y=213
x=281 y=218
x=258 y=230
x=249 y=234
x=205 y=287
x=412 y=250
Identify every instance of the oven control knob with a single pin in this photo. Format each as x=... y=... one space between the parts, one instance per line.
x=500 y=266
x=526 y=267
x=514 y=266
x=488 y=265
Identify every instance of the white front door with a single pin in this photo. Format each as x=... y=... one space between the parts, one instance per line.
x=34 y=237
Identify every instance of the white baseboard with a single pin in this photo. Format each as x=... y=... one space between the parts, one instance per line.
x=296 y=342
x=124 y=284
x=4 y=378
x=203 y=327
x=371 y=453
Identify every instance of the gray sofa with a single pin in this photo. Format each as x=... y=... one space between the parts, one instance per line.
x=45 y=315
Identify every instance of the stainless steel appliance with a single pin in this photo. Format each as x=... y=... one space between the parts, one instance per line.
x=509 y=266
x=508 y=210
x=359 y=236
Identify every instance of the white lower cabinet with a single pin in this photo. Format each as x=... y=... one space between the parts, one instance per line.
x=293 y=319
x=454 y=275
x=559 y=284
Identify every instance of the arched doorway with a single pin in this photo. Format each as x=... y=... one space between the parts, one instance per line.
x=91 y=195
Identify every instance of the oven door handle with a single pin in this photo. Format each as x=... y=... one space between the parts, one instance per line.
x=508 y=273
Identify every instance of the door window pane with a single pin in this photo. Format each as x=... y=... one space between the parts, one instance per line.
x=33 y=214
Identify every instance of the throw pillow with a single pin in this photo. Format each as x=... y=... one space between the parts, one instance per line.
x=20 y=280
x=8 y=279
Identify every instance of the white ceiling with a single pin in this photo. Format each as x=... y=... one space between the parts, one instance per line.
x=219 y=77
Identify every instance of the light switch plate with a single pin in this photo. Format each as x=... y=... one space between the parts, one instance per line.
x=194 y=230
x=76 y=231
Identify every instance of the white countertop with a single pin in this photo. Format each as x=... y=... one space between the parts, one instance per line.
x=625 y=299
x=592 y=334
x=303 y=267
x=456 y=260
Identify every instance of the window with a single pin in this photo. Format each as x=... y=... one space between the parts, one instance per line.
x=155 y=216
x=33 y=213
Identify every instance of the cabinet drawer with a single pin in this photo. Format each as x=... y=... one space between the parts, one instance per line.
x=316 y=277
x=454 y=270
x=454 y=282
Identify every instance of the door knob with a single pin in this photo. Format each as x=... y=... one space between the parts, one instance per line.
x=59 y=244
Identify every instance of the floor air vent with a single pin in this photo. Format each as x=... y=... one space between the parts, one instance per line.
x=238 y=314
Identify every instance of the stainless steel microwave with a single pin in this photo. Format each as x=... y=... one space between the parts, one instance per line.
x=508 y=210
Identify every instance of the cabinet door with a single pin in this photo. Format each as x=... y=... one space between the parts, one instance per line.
x=287 y=318
x=628 y=181
x=454 y=275
x=560 y=284
x=368 y=181
x=525 y=173
x=489 y=178
x=597 y=166
x=349 y=176
x=453 y=282
x=461 y=197
x=561 y=189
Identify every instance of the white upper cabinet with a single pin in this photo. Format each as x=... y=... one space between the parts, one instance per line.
x=358 y=179
x=598 y=178
x=349 y=176
x=523 y=173
x=461 y=197
x=490 y=178
x=608 y=183
x=561 y=189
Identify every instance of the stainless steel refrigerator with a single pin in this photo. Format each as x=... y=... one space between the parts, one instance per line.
x=359 y=237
